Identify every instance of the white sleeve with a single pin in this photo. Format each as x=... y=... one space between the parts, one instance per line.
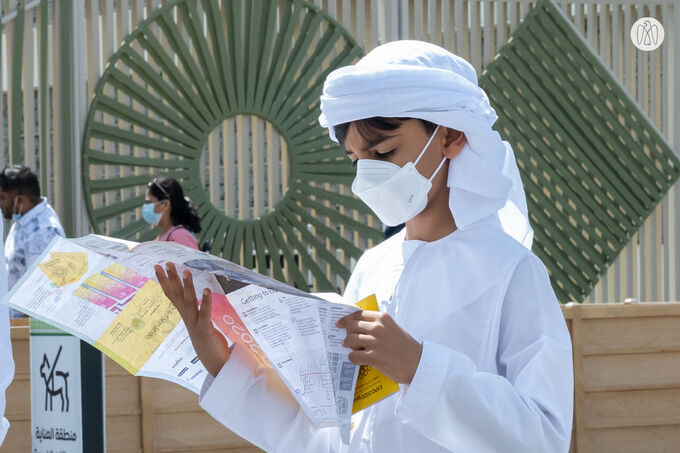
x=255 y=404
x=528 y=406
x=7 y=368
x=7 y=364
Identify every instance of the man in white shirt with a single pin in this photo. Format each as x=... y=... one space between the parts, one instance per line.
x=34 y=225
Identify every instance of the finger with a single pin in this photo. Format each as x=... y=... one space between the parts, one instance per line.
x=362 y=357
x=370 y=315
x=354 y=316
x=356 y=327
x=358 y=341
x=168 y=289
x=173 y=277
x=174 y=281
x=204 y=314
x=160 y=275
x=358 y=315
x=189 y=290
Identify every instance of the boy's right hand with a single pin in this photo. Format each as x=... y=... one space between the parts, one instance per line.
x=209 y=344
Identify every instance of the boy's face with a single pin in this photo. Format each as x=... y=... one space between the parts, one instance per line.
x=403 y=145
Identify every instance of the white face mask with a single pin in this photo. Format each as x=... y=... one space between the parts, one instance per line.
x=396 y=194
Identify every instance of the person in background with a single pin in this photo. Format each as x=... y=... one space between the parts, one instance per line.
x=34 y=225
x=6 y=362
x=166 y=206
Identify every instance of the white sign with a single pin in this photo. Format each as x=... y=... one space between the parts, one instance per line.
x=56 y=409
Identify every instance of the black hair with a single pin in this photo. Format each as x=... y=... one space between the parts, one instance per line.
x=182 y=210
x=18 y=178
x=373 y=129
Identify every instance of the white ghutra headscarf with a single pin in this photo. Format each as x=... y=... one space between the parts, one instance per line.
x=416 y=79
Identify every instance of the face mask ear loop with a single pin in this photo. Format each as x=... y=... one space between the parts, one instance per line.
x=437 y=170
x=14 y=209
x=426 y=145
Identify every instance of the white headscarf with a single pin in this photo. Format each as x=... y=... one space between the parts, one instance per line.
x=421 y=80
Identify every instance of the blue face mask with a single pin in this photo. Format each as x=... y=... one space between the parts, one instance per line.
x=16 y=216
x=148 y=214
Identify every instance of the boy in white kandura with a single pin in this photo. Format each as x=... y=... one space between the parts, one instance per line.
x=469 y=325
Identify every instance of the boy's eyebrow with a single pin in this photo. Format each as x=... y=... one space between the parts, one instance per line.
x=373 y=143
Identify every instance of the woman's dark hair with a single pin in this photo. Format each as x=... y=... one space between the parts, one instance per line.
x=373 y=130
x=182 y=211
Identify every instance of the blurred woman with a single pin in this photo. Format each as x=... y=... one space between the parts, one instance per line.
x=166 y=206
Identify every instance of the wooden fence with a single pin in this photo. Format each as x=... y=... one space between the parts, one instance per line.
x=142 y=414
x=626 y=374
x=54 y=52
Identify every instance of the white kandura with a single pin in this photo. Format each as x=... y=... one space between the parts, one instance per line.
x=496 y=370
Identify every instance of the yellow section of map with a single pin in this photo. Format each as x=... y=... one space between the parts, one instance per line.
x=139 y=328
x=372 y=385
x=65 y=267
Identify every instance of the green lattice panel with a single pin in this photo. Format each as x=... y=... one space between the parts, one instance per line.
x=594 y=167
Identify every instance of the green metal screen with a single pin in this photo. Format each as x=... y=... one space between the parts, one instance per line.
x=176 y=78
x=593 y=166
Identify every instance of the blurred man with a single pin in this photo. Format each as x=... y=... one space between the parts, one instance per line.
x=34 y=225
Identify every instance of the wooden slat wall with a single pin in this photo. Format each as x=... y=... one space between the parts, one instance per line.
x=627 y=377
x=152 y=415
x=142 y=414
x=647 y=269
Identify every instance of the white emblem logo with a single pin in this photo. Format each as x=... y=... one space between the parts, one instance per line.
x=647 y=33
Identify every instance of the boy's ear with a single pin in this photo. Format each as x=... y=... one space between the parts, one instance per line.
x=453 y=143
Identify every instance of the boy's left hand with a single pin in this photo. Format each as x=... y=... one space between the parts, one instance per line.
x=377 y=340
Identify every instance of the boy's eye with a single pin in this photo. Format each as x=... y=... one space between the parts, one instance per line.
x=383 y=155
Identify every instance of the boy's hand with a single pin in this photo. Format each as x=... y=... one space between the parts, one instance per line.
x=209 y=344
x=377 y=340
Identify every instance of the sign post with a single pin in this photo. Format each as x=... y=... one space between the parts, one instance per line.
x=67 y=404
